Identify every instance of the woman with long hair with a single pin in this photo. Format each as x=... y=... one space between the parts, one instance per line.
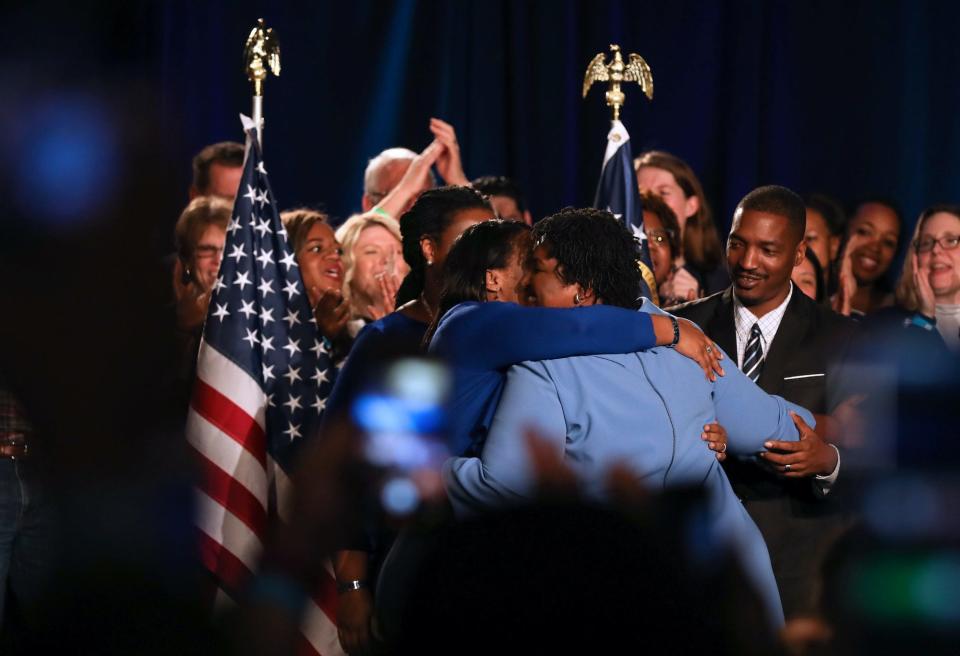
x=869 y=249
x=698 y=264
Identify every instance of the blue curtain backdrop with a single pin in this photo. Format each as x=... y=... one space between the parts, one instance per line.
x=848 y=98
x=853 y=99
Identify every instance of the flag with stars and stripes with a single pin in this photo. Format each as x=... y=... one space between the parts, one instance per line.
x=263 y=374
x=617 y=193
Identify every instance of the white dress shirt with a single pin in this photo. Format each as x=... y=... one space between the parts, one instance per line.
x=743 y=320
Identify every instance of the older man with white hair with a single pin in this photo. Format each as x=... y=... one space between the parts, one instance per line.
x=408 y=174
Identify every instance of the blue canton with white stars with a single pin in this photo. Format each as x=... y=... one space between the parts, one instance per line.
x=260 y=317
x=617 y=192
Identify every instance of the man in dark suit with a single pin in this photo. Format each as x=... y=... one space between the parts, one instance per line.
x=792 y=347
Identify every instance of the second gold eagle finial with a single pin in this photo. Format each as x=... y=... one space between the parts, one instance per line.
x=615 y=72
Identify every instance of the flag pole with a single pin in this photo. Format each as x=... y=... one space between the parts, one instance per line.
x=262 y=50
x=617 y=191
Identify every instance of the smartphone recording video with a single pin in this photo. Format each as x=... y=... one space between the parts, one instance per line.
x=403 y=417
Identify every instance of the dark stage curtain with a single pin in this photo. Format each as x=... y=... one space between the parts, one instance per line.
x=852 y=98
x=848 y=98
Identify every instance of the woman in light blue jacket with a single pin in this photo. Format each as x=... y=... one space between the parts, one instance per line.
x=644 y=410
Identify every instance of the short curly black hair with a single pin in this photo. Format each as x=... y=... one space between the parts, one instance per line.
x=593 y=250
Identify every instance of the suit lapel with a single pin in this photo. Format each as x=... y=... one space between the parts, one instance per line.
x=792 y=328
x=721 y=327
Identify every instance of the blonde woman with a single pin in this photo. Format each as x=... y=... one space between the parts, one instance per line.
x=373 y=264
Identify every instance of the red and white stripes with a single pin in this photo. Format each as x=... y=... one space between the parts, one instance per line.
x=226 y=427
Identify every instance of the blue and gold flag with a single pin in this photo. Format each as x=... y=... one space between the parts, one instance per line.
x=617 y=193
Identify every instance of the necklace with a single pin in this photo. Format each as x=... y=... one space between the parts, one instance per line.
x=426 y=307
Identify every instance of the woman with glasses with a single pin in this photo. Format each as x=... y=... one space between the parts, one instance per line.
x=930 y=283
x=199 y=235
x=663 y=241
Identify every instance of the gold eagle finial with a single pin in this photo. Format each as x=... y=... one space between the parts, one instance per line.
x=260 y=51
x=615 y=72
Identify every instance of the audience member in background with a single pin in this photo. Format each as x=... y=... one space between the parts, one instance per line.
x=217 y=170
x=480 y=328
x=27 y=545
x=808 y=275
x=930 y=283
x=663 y=240
x=384 y=173
x=675 y=182
x=319 y=257
x=614 y=409
x=910 y=412
x=505 y=196
x=873 y=236
x=200 y=235
x=826 y=223
x=386 y=170
x=793 y=347
x=429 y=229
x=373 y=264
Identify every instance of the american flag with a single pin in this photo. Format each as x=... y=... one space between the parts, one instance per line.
x=263 y=374
x=617 y=193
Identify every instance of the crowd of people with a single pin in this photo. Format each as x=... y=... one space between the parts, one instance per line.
x=564 y=379
x=614 y=472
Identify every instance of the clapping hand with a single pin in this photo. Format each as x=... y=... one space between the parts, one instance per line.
x=921 y=283
x=388 y=284
x=847 y=283
x=449 y=164
x=192 y=301
x=331 y=312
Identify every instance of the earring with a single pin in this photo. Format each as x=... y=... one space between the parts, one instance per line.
x=429 y=262
x=576 y=299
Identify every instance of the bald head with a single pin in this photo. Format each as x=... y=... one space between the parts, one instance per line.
x=383 y=173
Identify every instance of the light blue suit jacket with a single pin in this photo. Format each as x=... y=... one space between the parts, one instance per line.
x=645 y=410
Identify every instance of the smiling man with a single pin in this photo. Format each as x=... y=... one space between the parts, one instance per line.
x=792 y=347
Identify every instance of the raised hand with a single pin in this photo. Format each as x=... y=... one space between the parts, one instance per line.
x=413 y=181
x=449 y=164
x=847 y=283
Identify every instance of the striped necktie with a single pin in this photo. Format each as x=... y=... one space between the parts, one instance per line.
x=753 y=355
